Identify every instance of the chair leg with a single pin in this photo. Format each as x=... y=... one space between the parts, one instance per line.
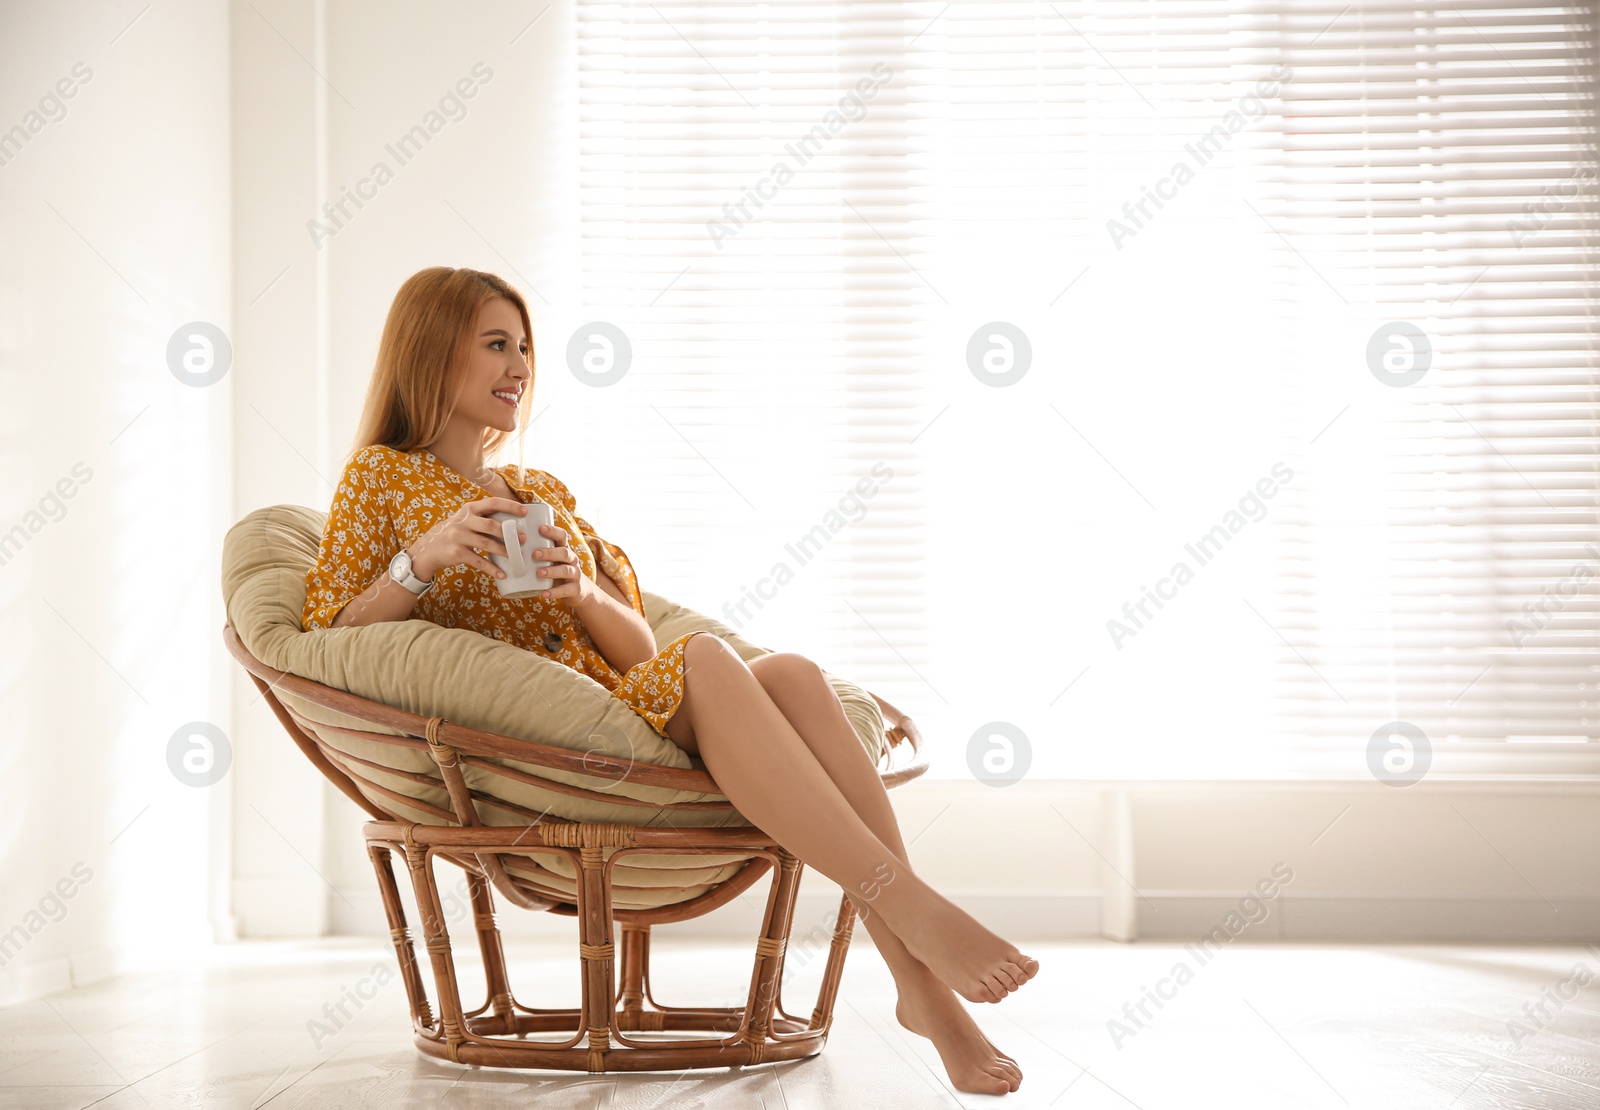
x=823 y=1014
x=452 y=1023
x=405 y=949
x=494 y=956
x=764 y=977
x=595 y=950
x=633 y=967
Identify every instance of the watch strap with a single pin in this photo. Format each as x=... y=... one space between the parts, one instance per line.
x=411 y=581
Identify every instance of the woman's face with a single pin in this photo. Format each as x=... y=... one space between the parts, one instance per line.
x=496 y=364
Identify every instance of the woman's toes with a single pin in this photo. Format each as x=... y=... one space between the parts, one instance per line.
x=1021 y=967
x=1011 y=1081
x=1003 y=1060
x=983 y=992
x=1019 y=973
x=993 y=1084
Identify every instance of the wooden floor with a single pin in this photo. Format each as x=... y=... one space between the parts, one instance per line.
x=1271 y=1026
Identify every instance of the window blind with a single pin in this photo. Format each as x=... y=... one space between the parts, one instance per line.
x=802 y=217
x=746 y=192
x=1439 y=561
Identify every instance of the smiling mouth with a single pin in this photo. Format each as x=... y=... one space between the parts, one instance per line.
x=512 y=401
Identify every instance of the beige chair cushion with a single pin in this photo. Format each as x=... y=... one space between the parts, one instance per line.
x=475 y=680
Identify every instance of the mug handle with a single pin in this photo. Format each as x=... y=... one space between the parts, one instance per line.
x=508 y=531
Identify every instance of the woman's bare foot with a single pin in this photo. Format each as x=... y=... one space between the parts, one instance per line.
x=966 y=957
x=930 y=1009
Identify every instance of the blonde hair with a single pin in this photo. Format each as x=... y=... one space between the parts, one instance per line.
x=422 y=358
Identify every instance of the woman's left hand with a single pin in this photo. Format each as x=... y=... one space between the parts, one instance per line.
x=568 y=583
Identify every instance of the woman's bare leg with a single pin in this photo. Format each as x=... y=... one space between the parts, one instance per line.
x=765 y=768
x=926 y=1006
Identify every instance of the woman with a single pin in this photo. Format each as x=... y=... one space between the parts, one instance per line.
x=408 y=535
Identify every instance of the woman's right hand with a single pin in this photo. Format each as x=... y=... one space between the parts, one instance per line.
x=459 y=538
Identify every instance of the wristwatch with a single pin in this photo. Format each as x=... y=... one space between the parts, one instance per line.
x=400 y=571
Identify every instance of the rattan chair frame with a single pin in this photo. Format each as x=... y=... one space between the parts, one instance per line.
x=601 y=1034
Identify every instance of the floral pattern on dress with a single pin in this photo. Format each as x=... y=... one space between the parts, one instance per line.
x=654 y=688
x=387 y=498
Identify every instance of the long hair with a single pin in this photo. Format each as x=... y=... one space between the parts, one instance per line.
x=422 y=359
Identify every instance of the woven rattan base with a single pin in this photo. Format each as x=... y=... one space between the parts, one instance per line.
x=618 y=1027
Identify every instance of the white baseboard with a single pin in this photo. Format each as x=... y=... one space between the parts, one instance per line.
x=99 y=963
x=23 y=982
x=1162 y=915
x=1377 y=918
x=280 y=907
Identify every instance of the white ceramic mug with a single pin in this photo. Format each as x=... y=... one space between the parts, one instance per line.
x=522 y=569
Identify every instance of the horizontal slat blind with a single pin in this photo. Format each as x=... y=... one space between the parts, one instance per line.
x=793 y=331
x=725 y=150
x=1439 y=551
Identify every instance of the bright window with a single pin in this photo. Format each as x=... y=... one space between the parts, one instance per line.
x=1013 y=360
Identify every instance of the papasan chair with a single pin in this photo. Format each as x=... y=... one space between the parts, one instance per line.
x=542 y=787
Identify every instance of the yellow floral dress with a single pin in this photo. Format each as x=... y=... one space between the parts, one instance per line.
x=387 y=498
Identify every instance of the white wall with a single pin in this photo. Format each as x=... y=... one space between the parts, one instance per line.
x=115 y=485
x=280 y=297
x=322 y=96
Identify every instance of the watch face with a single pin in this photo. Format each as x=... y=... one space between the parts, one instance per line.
x=400 y=567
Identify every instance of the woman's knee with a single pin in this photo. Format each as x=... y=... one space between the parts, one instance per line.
x=784 y=669
x=710 y=661
x=708 y=650
x=707 y=658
